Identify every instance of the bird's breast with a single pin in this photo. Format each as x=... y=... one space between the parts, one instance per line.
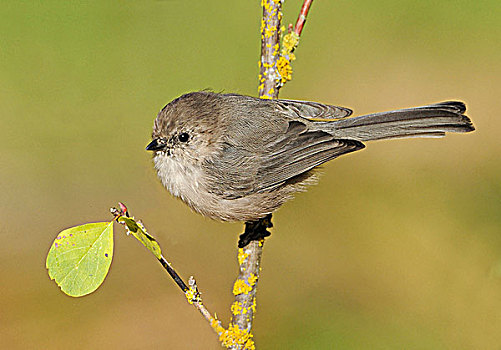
x=188 y=182
x=182 y=179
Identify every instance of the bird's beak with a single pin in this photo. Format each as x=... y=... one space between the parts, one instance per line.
x=156 y=145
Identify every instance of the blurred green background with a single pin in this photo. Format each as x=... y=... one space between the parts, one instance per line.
x=398 y=247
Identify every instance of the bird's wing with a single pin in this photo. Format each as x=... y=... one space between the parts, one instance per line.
x=269 y=155
x=313 y=111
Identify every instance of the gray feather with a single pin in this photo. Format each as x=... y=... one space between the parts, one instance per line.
x=312 y=109
x=427 y=121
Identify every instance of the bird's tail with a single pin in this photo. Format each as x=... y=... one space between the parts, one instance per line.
x=426 y=121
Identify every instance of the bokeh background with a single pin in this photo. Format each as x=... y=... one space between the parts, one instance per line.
x=398 y=247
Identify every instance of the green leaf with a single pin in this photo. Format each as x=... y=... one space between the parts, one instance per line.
x=138 y=230
x=80 y=257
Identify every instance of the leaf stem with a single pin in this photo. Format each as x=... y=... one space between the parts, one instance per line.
x=179 y=281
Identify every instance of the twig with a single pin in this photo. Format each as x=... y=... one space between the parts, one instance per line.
x=301 y=20
x=170 y=270
x=190 y=291
x=270 y=48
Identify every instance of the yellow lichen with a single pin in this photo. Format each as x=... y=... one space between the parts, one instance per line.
x=269 y=31
x=252 y=279
x=242 y=255
x=236 y=308
x=284 y=69
x=192 y=296
x=216 y=325
x=275 y=49
x=240 y=287
x=289 y=43
x=234 y=336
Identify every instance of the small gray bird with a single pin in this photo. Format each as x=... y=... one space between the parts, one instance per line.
x=239 y=158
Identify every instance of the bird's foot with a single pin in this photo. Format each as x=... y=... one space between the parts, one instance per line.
x=255 y=231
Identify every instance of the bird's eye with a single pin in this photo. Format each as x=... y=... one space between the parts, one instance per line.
x=183 y=137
